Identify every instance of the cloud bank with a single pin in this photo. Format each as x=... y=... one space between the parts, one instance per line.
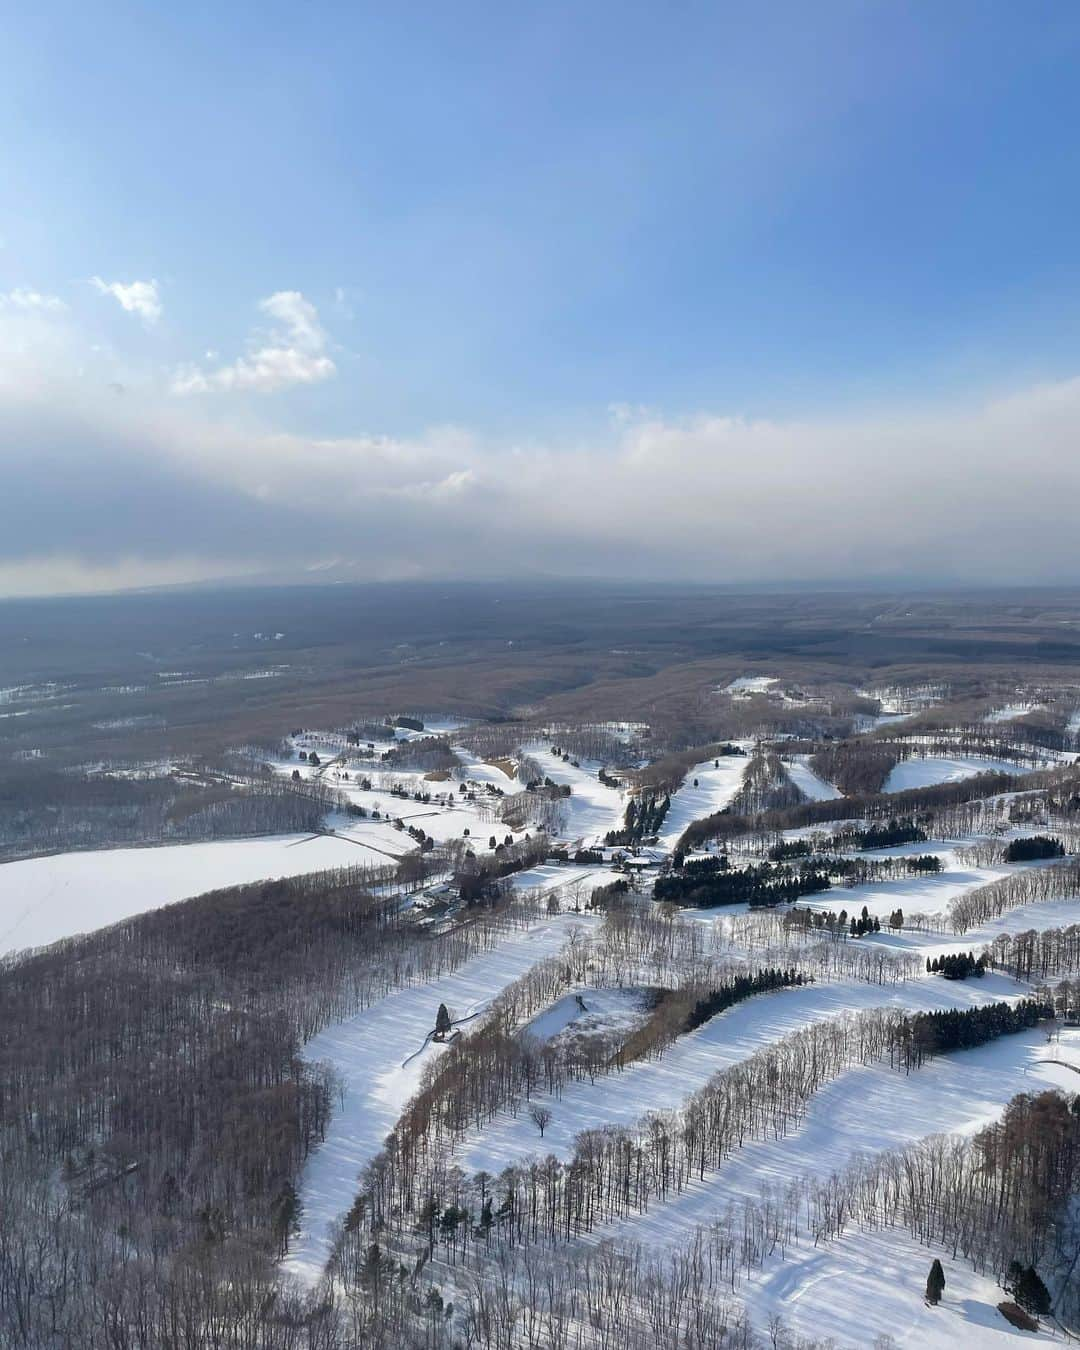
x=102 y=491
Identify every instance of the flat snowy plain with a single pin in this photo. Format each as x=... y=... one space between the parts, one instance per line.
x=45 y=899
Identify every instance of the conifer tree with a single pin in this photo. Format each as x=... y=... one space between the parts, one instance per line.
x=935 y=1284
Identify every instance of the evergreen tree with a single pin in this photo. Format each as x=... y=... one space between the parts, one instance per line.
x=1031 y=1293
x=935 y=1284
x=442 y=1022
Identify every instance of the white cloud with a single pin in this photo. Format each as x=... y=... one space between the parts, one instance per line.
x=137 y=297
x=293 y=352
x=32 y=301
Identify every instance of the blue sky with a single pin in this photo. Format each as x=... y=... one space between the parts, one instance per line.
x=508 y=219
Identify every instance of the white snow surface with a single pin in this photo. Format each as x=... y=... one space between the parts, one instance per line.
x=809 y=783
x=45 y=899
x=717 y=784
x=870 y=1284
x=865 y=1110
x=926 y=770
x=592 y=809
x=622 y=1098
x=380 y=1054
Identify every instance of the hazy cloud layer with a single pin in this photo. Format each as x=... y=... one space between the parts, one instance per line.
x=104 y=490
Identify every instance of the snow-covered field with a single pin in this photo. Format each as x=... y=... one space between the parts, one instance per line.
x=926 y=770
x=809 y=783
x=865 y=1110
x=870 y=1285
x=621 y=1098
x=717 y=783
x=45 y=899
x=593 y=808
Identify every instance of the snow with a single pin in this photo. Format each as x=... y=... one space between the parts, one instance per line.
x=747 y=685
x=592 y=809
x=808 y=782
x=1011 y=712
x=45 y=899
x=871 y=1284
x=864 y=1110
x=716 y=788
x=926 y=770
x=622 y=1097
x=380 y=1054
x=605 y=1010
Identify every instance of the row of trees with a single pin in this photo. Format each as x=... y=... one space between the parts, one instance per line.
x=617 y=1172
x=1034 y=885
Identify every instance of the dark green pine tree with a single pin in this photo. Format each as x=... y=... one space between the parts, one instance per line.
x=1031 y=1293
x=935 y=1284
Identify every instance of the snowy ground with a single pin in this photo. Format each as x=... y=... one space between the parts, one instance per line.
x=808 y=782
x=746 y=685
x=380 y=1054
x=717 y=784
x=592 y=809
x=45 y=899
x=621 y=1098
x=863 y=1111
x=924 y=771
x=871 y=1284
x=1011 y=712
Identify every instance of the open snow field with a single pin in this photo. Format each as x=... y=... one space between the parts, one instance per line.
x=45 y=899
x=808 y=782
x=593 y=808
x=871 y=1284
x=926 y=770
x=380 y=1054
x=717 y=784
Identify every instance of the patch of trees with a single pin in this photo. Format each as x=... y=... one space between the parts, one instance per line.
x=939 y=802
x=888 y=834
x=477 y=878
x=712 y=881
x=643 y=818
x=935 y=1033
x=742 y=987
x=958 y=965
x=1059 y=881
x=1032 y=847
x=765 y=786
x=155 y=1108
x=1039 y=954
x=617 y=1172
x=44 y=811
x=858 y=768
